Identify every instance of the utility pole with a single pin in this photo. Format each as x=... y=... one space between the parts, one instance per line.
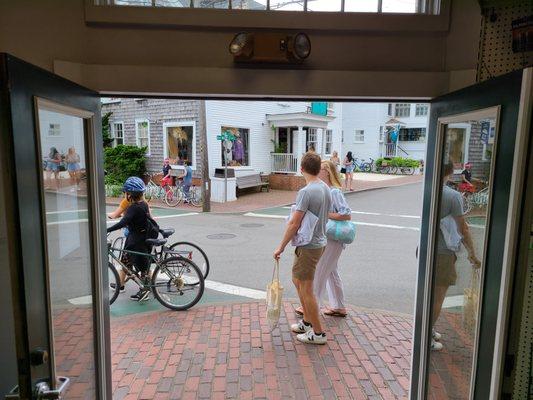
x=206 y=182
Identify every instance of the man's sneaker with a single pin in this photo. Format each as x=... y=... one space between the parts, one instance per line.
x=435 y=335
x=301 y=327
x=311 y=337
x=436 y=346
x=114 y=286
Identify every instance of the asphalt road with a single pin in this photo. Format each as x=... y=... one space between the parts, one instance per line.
x=379 y=269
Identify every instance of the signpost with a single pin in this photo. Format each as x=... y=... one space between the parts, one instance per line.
x=227 y=138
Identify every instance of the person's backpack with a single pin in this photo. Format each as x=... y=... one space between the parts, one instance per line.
x=152 y=228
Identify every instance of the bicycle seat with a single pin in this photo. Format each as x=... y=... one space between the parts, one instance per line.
x=156 y=242
x=167 y=232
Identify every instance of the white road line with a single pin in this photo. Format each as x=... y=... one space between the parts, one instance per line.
x=235 y=290
x=386 y=215
x=453 y=301
x=412 y=228
x=251 y=214
x=64 y=212
x=77 y=221
x=81 y=300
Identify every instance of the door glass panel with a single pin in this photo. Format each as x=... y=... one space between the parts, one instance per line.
x=465 y=189
x=68 y=247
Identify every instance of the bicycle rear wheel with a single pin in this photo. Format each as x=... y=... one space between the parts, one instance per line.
x=366 y=167
x=408 y=170
x=173 y=197
x=193 y=253
x=177 y=283
x=195 y=194
x=113 y=278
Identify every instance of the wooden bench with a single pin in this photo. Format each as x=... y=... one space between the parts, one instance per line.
x=248 y=181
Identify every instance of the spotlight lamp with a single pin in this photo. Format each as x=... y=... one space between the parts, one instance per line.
x=270 y=47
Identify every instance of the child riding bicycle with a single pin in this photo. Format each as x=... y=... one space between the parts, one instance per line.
x=140 y=227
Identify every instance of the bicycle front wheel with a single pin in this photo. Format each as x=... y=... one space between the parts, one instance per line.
x=366 y=167
x=173 y=197
x=177 y=283
x=193 y=253
x=114 y=280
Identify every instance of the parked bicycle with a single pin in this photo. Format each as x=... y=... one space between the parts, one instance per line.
x=176 y=282
x=361 y=165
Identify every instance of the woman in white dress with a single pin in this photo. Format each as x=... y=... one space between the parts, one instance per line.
x=327 y=278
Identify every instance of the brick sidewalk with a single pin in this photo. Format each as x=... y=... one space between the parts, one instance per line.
x=227 y=352
x=252 y=201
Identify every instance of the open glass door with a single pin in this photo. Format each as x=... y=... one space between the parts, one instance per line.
x=465 y=230
x=53 y=209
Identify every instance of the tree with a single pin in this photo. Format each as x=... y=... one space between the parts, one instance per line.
x=106 y=130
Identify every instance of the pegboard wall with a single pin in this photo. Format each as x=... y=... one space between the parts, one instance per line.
x=496 y=55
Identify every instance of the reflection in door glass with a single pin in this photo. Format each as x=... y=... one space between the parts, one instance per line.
x=460 y=247
x=68 y=249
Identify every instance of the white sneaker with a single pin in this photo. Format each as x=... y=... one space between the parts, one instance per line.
x=300 y=327
x=312 y=338
x=435 y=346
x=436 y=335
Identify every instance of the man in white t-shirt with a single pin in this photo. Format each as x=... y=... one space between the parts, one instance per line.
x=315 y=198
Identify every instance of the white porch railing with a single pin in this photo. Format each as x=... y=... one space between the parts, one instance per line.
x=284 y=162
x=388 y=150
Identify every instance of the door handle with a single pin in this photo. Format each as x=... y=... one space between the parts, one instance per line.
x=43 y=391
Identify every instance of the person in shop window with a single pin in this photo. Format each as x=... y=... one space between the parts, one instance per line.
x=238 y=149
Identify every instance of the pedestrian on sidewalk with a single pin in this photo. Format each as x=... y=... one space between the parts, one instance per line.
x=349 y=166
x=453 y=231
x=314 y=200
x=335 y=159
x=327 y=276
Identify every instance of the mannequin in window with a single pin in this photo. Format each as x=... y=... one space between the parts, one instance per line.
x=238 y=149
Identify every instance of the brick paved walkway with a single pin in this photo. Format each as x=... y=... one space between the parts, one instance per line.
x=227 y=352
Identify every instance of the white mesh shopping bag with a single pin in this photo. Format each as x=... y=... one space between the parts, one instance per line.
x=274 y=298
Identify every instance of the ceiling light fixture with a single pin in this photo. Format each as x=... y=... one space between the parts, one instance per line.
x=269 y=47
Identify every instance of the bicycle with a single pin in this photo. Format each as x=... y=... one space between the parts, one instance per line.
x=370 y=165
x=360 y=165
x=194 y=196
x=184 y=249
x=172 y=279
x=170 y=194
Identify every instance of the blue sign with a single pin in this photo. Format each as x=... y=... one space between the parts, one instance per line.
x=319 y=108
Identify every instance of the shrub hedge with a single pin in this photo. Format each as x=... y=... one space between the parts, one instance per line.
x=399 y=162
x=122 y=162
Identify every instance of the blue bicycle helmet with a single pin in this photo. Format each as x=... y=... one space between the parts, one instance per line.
x=134 y=184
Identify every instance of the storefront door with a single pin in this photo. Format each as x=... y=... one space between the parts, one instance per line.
x=466 y=231
x=55 y=222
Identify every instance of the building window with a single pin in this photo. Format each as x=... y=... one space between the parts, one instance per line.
x=359 y=136
x=421 y=110
x=180 y=142
x=237 y=152
x=142 y=133
x=311 y=139
x=117 y=129
x=389 y=110
x=402 y=110
x=412 y=135
x=328 y=141
x=54 y=130
x=381 y=134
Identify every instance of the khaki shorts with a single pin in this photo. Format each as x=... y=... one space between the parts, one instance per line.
x=305 y=261
x=445 y=273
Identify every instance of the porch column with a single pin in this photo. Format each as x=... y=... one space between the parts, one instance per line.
x=300 y=148
x=319 y=141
